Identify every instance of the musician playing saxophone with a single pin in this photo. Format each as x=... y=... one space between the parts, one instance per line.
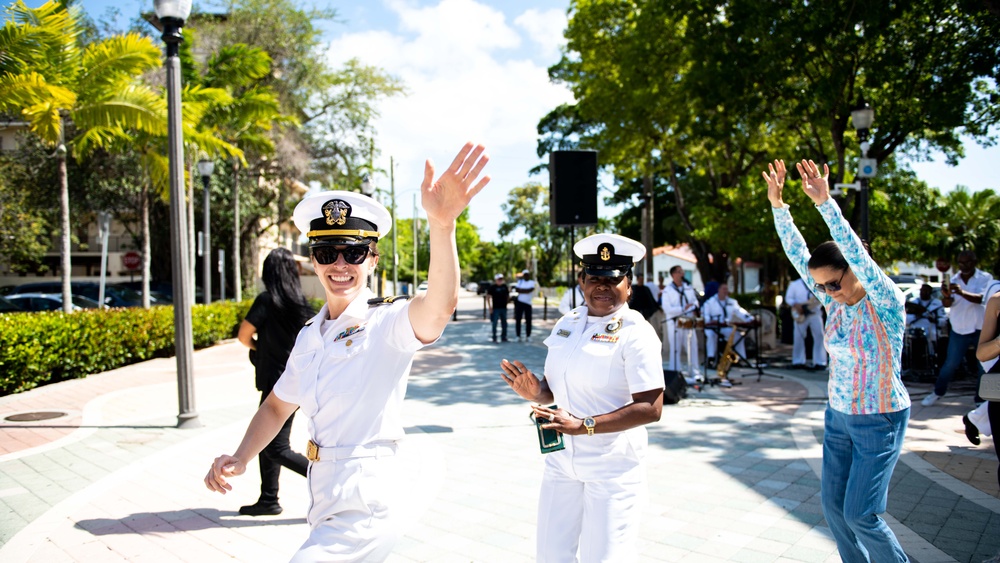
x=720 y=312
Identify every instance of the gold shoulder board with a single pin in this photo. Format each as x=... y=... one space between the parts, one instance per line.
x=386 y=300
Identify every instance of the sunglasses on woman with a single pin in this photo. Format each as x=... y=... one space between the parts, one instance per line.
x=352 y=254
x=830 y=287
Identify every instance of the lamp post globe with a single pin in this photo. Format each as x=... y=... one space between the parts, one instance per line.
x=172 y=9
x=367 y=186
x=206 y=168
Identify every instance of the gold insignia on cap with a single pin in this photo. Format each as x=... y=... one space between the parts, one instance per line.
x=605 y=252
x=336 y=211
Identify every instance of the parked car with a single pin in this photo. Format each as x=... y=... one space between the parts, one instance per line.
x=113 y=296
x=472 y=286
x=422 y=286
x=484 y=286
x=7 y=306
x=49 y=302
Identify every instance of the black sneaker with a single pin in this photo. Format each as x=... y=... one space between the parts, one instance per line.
x=261 y=508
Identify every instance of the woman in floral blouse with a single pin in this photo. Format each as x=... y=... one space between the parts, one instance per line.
x=868 y=405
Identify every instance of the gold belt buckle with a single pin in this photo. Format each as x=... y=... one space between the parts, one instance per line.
x=312 y=451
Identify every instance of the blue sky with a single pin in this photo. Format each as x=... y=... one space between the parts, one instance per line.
x=476 y=70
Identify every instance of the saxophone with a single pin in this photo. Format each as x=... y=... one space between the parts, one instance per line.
x=728 y=357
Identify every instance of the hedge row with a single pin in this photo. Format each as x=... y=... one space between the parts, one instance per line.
x=40 y=348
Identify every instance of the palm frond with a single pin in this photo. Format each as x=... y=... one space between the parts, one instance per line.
x=213 y=145
x=106 y=62
x=158 y=167
x=46 y=121
x=134 y=107
x=21 y=90
x=100 y=137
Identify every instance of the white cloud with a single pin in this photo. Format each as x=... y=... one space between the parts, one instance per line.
x=457 y=61
x=545 y=28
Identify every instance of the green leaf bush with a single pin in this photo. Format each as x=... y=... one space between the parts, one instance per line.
x=40 y=348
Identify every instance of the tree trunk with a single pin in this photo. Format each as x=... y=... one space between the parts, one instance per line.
x=64 y=237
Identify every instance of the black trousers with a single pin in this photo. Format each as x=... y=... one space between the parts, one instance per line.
x=522 y=310
x=275 y=455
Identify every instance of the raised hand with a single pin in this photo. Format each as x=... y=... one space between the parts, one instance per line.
x=444 y=199
x=775 y=178
x=814 y=184
x=520 y=379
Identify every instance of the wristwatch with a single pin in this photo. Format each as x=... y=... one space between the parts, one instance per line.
x=589 y=424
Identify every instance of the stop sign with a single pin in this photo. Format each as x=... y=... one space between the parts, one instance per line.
x=132 y=260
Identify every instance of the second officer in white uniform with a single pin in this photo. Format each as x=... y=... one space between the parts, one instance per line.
x=603 y=370
x=349 y=366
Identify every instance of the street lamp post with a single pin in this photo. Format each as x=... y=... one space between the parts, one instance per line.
x=172 y=14
x=205 y=169
x=862 y=117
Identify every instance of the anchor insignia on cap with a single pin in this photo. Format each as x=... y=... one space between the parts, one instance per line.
x=606 y=252
x=336 y=211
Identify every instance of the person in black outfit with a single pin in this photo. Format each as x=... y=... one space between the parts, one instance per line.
x=499 y=295
x=276 y=317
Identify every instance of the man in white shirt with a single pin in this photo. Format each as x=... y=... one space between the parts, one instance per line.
x=525 y=288
x=965 y=297
x=566 y=304
x=720 y=311
x=808 y=316
x=680 y=305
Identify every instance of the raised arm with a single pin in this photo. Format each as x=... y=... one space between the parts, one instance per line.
x=444 y=200
x=791 y=239
x=878 y=285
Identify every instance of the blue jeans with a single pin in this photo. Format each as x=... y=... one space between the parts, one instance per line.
x=958 y=344
x=501 y=315
x=859 y=454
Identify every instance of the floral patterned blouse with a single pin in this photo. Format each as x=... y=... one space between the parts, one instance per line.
x=864 y=340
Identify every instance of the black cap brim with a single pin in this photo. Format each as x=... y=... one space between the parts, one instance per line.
x=614 y=272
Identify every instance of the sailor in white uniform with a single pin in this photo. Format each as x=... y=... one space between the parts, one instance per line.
x=925 y=312
x=604 y=373
x=719 y=312
x=349 y=367
x=679 y=302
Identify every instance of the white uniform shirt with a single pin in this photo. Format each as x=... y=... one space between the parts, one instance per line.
x=967 y=317
x=350 y=379
x=525 y=290
x=716 y=311
x=678 y=301
x=566 y=304
x=798 y=294
x=928 y=320
x=593 y=369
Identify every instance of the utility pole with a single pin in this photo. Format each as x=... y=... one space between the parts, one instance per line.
x=395 y=255
x=647 y=223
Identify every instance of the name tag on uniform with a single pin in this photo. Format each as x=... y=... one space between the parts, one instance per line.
x=349 y=332
x=562 y=332
x=604 y=338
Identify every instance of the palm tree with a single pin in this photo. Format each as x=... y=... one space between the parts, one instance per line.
x=50 y=80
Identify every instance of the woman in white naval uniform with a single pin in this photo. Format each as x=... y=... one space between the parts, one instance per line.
x=348 y=369
x=603 y=370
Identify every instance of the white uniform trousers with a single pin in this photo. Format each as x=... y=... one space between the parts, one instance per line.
x=712 y=341
x=814 y=323
x=590 y=521
x=349 y=515
x=682 y=340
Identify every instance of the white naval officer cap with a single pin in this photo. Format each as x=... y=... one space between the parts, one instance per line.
x=339 y=217
x=498 y=277
x=608 y=255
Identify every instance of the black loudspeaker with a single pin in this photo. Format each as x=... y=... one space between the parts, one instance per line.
x=675 y=387
x=573 y=188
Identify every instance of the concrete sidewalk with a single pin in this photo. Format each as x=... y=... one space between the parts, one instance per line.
x=733 y=474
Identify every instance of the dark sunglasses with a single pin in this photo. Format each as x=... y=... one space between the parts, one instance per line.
x=352 y=254
x=829 y=287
